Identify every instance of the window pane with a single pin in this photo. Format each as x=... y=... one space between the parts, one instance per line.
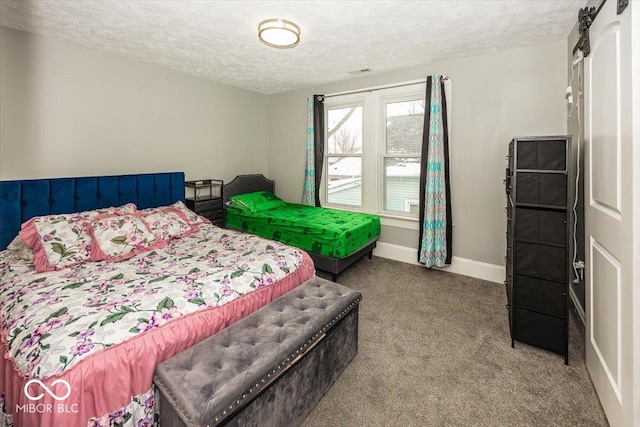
x=344 y=130
x=344 y=185
x=405 y=121
x=401 y=184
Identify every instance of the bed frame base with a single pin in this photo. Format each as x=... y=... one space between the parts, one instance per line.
x=335 y=266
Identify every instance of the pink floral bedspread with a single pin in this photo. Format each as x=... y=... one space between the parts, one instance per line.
x=103 y=327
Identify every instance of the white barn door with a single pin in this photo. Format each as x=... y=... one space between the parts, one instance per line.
x=612 y=352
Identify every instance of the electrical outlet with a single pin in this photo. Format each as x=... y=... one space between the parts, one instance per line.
x=579 y=265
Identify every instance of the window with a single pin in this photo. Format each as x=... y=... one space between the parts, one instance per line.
x=373 y=149
x=401 y=156
x=343 y=158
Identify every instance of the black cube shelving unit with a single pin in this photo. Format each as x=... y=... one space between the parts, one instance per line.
x=539 y=241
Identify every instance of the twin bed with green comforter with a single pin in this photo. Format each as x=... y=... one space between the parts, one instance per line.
x=327 y=232
x=335 y=239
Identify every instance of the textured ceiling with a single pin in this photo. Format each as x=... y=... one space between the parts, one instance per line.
x=218 y=39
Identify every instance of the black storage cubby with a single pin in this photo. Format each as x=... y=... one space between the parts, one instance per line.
x=543 y=296
x=536 y=154
x=539 y=330
x=541 y=226
x=547 y=190
x=539 y=241
x=546 y=262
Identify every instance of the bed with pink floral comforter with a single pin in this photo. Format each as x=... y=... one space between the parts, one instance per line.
x=80 y=345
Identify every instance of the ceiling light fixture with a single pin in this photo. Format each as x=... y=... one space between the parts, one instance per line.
x=279 y=33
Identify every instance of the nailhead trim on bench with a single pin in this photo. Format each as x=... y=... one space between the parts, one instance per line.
x=220 y=417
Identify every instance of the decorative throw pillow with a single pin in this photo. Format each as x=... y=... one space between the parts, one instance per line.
x=62 y=241
x=192 y=217
x=118 y=237
x=167 y=224
x=257 y=201
x=20 y=248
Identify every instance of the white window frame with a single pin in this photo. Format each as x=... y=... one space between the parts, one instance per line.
x=344 y=102
x=374 y=146
x=402 y=96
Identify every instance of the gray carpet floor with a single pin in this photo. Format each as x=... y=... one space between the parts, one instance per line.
x=434 y=350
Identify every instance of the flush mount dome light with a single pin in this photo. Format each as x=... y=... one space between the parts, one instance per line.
x=279 y=33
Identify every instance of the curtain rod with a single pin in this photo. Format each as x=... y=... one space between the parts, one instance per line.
x=442 y=77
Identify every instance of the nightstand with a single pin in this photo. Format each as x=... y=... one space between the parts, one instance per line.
x=204 y=197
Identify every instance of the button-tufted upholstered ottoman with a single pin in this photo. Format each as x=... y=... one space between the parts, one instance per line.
x=270 y=368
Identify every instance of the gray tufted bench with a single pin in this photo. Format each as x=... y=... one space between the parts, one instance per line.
x=270 y=368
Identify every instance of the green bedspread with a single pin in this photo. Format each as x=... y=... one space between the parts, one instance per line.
x=323 y=231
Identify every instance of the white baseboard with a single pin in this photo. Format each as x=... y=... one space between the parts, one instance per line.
x=576 y=304
x=463 y=266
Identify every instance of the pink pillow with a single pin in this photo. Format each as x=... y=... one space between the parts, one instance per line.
x=61 y=241
x=118 y=237
x=167 y=224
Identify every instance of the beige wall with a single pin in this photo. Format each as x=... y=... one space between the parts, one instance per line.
x=573 y=128
x=494 y=98
x=69 y=111
x=66 y=111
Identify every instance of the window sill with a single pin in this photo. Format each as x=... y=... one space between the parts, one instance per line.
x=399 y=222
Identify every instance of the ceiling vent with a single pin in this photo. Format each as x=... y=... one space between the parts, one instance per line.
x=364 y=70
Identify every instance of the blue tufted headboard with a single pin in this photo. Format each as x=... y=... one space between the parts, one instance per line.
x=24 y=199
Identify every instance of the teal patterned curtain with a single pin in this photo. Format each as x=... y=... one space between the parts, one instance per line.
x=315 y=151
x=309 y=188
x=435 y=201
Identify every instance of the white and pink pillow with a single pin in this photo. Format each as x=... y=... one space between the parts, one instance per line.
x=167 y=223
x=192 y=217
x=62 y=241
x=118 y=237
x=21 y=249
